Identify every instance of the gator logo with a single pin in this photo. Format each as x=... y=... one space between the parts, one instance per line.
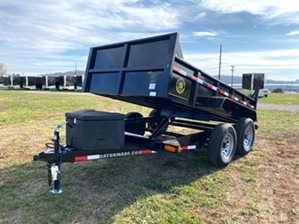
x=180 y=85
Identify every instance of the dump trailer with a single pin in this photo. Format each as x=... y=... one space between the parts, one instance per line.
x=151 y=72
x=252 y=81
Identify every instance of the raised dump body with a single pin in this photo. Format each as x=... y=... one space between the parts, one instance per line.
x=151 y=72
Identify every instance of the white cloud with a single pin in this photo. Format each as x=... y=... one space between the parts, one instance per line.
x=51 y=35
x=204 y=34
x=285 y=11
x=277 y=64
x=43 y=31
x=62 y=25
x=293 y=33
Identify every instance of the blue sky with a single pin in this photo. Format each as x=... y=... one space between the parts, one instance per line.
x=39 y=37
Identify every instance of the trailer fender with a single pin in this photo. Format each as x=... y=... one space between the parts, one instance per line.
x=134 y=123
x=154 y=124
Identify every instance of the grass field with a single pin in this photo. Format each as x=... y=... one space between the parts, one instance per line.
x=262 y=187
x=286 y=99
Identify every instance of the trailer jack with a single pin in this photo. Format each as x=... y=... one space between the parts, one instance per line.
x=54 y=167
x=54 y=174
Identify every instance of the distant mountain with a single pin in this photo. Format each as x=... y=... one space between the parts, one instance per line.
x=238 y=79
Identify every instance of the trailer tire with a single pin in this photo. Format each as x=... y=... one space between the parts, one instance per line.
x=154 y=124
x=137 y=128
x=246 y=134
x=222 y=145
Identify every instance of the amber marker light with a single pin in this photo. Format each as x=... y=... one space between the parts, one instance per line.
x=171 y=148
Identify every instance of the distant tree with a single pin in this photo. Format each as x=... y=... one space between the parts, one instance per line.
x=277 y=90
x=3 y=71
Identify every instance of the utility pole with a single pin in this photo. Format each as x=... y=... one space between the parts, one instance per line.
x=232 y=69
x=220 y=61
x=76 y=68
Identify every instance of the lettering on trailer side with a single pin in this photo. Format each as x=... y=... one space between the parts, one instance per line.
x=120 y=154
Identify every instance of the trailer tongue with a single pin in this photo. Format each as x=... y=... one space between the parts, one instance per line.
x=151 y=72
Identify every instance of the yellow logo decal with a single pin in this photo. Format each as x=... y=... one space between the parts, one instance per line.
x=180 y=85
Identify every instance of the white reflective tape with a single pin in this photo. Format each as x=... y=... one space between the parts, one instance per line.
x=223 y=92
x=152 y=94
x=135 y=135
x=191 y=147
x=188 y=147
x=152 y=86
x=92 y=157
x=214 y=88
x=183 y=72
x=200 y=81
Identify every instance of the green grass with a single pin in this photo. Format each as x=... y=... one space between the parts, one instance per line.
x=281 y=98
x=158 y=188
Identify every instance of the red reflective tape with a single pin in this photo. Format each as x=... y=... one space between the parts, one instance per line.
x=209 y=85
x=176 y=69
x=146 y=151
x=234 y=98
x=223 y=92
x=243 y=102
x=194 y=78
x=80 y=158
x=188 y=147
x=198 y=80
x=184 y=148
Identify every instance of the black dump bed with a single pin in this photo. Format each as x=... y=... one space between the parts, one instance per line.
x=151 y=72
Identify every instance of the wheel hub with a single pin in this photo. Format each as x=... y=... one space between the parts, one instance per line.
x=227 y=146
x=248 y=138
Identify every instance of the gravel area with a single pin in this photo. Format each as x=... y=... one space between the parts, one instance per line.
x=264 y=106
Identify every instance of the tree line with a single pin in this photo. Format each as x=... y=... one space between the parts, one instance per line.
x=3 y=71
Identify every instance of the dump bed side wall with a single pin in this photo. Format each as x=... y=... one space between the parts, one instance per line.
x=151 y=72
x=208 y=86
x=139 y=68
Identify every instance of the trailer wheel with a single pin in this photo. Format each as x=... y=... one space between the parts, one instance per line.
x=246 y=134
x=154 y=124
x=222 y=145
x=136 y=128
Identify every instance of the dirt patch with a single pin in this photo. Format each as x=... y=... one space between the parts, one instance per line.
x=265 y=191
x=30 y=188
